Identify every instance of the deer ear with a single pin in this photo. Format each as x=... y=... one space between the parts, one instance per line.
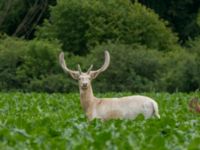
x=93 y=75
x=74 y=75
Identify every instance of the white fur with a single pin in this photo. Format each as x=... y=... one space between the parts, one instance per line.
x=130 y=107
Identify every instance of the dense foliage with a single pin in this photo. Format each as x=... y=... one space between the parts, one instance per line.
x=145 y=55
x=15 y=15
x=137 y=71
x=24 y=62
x=83 y=25
x=20 y=17
x=42 y=121
x=33 y=66
x=181 y=71
x=181 y=14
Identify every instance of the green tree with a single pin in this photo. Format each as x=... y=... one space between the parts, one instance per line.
x=180 y=13
x=81 y=25
x=20 y=17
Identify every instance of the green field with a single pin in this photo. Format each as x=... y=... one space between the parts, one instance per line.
x=56 y=121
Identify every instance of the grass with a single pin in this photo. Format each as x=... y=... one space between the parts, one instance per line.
x=56 y=121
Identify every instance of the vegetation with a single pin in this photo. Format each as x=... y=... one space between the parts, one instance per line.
x=145 y=54
x=138 y=71
x=83 y=25
x=16 y=14
x=154 y=47
x=181 y=14
x=56 y=121
x=23 y=62
x=20 y=17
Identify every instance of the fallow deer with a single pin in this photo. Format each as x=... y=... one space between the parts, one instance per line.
x=128 y=107
x=194 y=105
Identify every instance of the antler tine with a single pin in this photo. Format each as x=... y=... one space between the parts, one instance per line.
x=88 y=71
x=63 y=64
x=79 y=69
x=106 y=62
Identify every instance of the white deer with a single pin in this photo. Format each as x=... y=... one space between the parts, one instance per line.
x=108 y=108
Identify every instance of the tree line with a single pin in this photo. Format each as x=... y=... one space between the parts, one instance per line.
x=153 y=46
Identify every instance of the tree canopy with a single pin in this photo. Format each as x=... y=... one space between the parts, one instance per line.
x=154 y=45
x=84 y=24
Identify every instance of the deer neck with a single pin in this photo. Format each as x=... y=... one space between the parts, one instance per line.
x=87 y=99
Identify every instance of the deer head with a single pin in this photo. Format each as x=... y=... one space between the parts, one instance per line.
x=84 y=78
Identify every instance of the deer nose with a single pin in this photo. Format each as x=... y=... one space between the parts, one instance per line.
x=84 y=84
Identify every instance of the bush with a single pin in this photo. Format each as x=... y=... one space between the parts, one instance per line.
x=12 y=53
x=136 y=68
x=33 y=66
x=82 y=25
x=22 y=61
x=132 y=68
x=53 y=83
x=181 y=72
x=193 y=46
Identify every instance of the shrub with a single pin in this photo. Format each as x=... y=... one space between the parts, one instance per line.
x=22 y=61
x=181 y=72
x=136 y=68
x=53 y=83
x=132 y=68
x=82 y=25
x=12 y=53
x=193 y=46
x=41 y=59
